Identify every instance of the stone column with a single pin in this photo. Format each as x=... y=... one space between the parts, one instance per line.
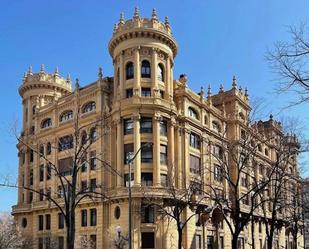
x=179 y=155
x=186 y=170
x=137 y=72
x=154 y=71
x=171 y=150
x=171 y=77
x=156 y=149
x=119 y=151
x=54 y=156
x=168 y=77
x=137 y=145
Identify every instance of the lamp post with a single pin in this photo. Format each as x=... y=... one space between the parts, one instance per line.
x=131 y=158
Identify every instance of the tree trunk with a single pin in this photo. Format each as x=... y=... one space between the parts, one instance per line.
x=270 y=238
x=234 y=241
x=179 y=238
x=252 y=234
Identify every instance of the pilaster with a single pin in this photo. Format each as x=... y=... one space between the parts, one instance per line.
x=154 y=70
x=171 y=150
x=137 y=145
x=168 y=82
x=156 y=149
x=119 y=153
x=137 y=72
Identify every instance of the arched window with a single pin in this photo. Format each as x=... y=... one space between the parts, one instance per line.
x=46 y=123
x=160 y=72
x=93 y=134
x=129 y=70
x=88 y=107
x=216 y=126
x=48 y=148
x=65 y=143
x=193 y=113
x=145 y=70
x=66 y=115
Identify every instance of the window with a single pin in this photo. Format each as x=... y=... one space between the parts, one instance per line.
x=146 y=179
x=65 y=143
x=31 y=177
x=217 y=152
x=147 y=214
x=192 y=113
x=47 y=220
x=198 y=241
x=145 y=70
x=218 y=173
x=196 y=187
x=41 y=222
x=30 y=197
x=41 y=194
x=126 y=179
x=146 y=92
x=128 y=152
x=48 y=171
x=129 y=70
x=216 y=126
x=41 y=150
x=160 y=72
x=163 y=154
x=41 y=173
x=163 y=128
x=164 y=181
x=195 y=140
x=260 y=227
x=65 y=166
x=221 y=242
x=93 y=134
x=31 y=156
x=146 y=153
x=240 y=243
x=219 y=194
x=93 y=160
x=195 y=164
x=83 y=186
x=47 y=243
x=93 y=184
x=60 y=221
x=40 y=243
x=244 y=180
x=148 y=241
x=261 y=169
x=245 y=200
x=128 y=126
x=93 y=239
x=259 y=148
x=161 y=93
x=84 y=217
x=129 y=93
x=89 y=107
x=66 y=115
x=210 y=242
x=93 y=217
x=48 y=148
x=46 y=123
x=266 y=152
x=243 y=134
x=60 y=242
x=146 y=125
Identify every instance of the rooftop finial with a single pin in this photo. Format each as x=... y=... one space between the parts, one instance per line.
x=30 y=70
x=234 y=84
x=25 y=76
x=271 y=117
x=42 y=70
x=154 y=14
x=136 y=13
x=68 y=78
x=100 y=73
x=76 y=84
x=166 y=21
x=56 y=71
x=209 y=91
x=202 y=92
x=240 y=89
x=246 y=92
x=121 y=20
x=115 y=27
x=221 y=89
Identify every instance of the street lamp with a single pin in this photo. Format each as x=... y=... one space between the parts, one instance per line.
x=131 y=158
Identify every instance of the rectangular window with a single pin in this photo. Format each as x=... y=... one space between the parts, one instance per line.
x=30 y=197
x=217 y=152
x=163 y=154
x=146 y=92
x=126 y=179
x=195 y=164
x=240 y=243
x=147 y=214
x=146 y=179
x=148 y=241
x=146 y=125
x=41 y=222
x=31 y=177
x=93 y=217
x=47 y=220
x=93 y=239
x=146 y=153
x=48 y=171
x=128 y=152
x=31 y=156
x=129 y=93
x=195 y=140
x=128 y=126
x=60 y=242
x=93 y=184
x=164 y=181
x=65 y=143
x=83 y=186
x=163 y=128
x=218 y=173
x=84 y=217
x=41 y=195
x=245 y=200
x=84 y=162
x=41 y=173
x=198 y=241
x=48 y=193
x=245 y=180
x=60 y=221
x=65 y=166
x=219 y=194
x=93 y=160
x=210 y=242
x=40 y=243
x=161 y=94
x=47 y=243
x=196 y=187
x=260 y=227
x=221 y=242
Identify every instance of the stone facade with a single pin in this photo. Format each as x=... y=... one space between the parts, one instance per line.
x=141 y=103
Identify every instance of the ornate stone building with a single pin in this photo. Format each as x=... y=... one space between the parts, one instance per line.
x=141 y=103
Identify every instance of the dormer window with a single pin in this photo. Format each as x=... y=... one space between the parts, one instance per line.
x=129 y=70
x=89 y=107
x=66 y=115
x=160 y=72
x=145 y=70
x=193 y=113
x=46 y=123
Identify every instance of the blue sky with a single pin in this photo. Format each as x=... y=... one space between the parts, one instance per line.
x=217 y=39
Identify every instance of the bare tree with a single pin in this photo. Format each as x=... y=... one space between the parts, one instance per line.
x=289 y=61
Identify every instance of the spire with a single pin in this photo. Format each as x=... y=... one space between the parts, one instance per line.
x=221 y=89
x=234 y=84
x=68 y=78
x=154 y=15
x=30 y=71
x=271 y=117
x=121 y=20
x=240 y=89
x=76 y=84
x=202 y=93
x=115 y=27
x=166 y=22
x=56 y=73
x=100 y=73
x=246 y=92
x=136 y=13
x=42 y=70
x=209 y=92
x=25 y=76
